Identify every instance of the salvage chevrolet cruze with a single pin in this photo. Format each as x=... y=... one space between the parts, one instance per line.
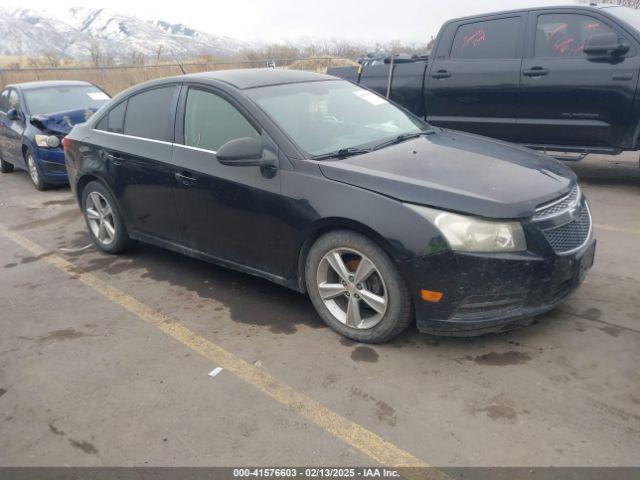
x=327 y=188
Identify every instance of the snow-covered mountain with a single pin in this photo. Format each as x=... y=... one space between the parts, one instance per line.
x=27 y=32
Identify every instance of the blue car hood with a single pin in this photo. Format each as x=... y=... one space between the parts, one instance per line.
x=61 y=122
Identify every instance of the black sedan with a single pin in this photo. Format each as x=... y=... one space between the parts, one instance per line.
x=327 y=188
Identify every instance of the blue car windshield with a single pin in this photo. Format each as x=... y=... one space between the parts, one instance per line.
x=327 y=116
x=62 y=99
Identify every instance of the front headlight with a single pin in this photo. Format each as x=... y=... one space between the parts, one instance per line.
x=472 y=234
x=47 y=141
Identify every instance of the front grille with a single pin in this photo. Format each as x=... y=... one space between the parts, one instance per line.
x=557 y=207
x=572 y=235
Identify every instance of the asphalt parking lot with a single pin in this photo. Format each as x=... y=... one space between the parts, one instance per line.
x=105 y=360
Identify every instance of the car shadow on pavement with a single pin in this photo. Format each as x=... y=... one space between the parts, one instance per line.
x=250 y=300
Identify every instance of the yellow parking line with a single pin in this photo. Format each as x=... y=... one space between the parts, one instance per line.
x=617 y=229
x=372 y=445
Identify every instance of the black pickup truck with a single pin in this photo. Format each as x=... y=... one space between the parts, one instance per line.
x=555 y=78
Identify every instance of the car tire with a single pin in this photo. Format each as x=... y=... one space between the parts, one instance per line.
x=34 y=171
x=372 y=304
x=103 y=219
x=5 y=167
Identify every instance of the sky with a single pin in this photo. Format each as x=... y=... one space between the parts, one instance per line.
x=271 y=21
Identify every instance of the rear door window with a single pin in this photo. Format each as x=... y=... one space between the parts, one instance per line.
x=565 y=34
x=150 y=114
x=14 y=101
x=210 y=121
x=488 y=39
x=4 y=101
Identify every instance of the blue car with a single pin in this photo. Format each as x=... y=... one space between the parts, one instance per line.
x=35 y=117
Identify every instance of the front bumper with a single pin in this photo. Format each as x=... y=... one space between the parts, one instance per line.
x=52 y=167
x=493 y=292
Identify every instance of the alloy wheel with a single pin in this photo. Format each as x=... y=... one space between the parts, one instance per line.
x=100 y=218
x=352 y=288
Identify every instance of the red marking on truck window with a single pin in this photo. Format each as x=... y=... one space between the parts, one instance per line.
x=558 y=29
x=592 y=26
x=474 y=39
x=564 y=46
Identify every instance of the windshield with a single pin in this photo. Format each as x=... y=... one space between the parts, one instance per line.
x=626 y=14
x=62 y=99
x=327 y=116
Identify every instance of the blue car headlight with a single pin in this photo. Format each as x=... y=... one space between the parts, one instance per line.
x=47 y=141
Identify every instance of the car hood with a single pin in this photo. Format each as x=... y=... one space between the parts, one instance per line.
x=61 y=122
x=458 y=172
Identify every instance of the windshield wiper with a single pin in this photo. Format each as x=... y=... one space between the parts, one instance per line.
x=403 y=138
x=342 y=153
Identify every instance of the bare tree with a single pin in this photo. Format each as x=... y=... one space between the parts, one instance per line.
x=158 y=54
x=136 y=58
x=34 y=62
x=107 y=59
x=96 y=53
x=51 y=58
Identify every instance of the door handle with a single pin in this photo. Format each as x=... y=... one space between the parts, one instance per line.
x=535 y=72
x=440 y=74
x=185 y=178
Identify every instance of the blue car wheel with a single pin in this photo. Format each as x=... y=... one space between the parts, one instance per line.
x=34 y=171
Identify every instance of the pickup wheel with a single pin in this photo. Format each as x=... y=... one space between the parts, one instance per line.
x=356 y=288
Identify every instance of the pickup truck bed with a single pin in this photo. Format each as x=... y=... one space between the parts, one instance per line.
x=407 y=83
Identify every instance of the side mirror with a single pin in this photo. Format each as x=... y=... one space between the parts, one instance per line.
x=13 y=114
x=241 y=152
x=605 y=45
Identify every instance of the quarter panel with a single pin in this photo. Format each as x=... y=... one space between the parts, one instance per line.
x=142 y=181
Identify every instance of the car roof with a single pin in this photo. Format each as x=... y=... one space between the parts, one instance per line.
x=591 y=6
x=49 y=83
x=259 y=77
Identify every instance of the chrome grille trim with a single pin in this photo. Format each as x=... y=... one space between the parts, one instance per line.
x=572 y=236
x=558 y=207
